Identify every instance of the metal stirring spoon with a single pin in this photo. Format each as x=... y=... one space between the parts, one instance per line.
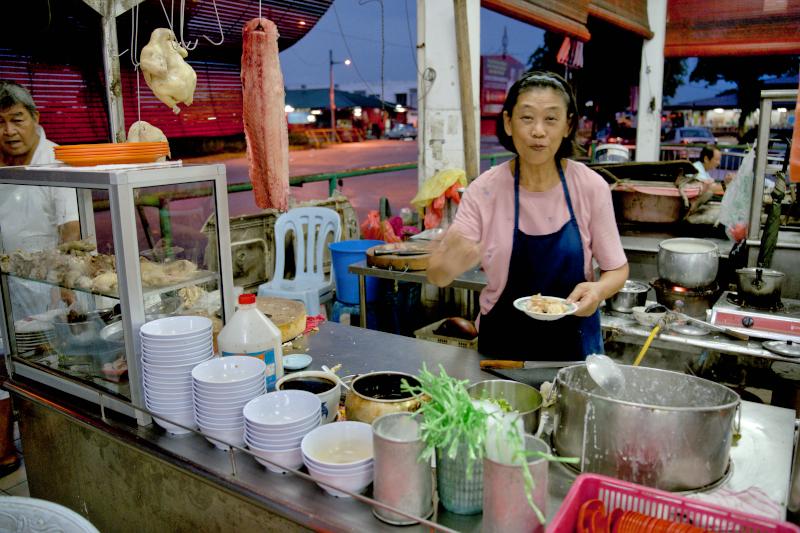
x=606 y=373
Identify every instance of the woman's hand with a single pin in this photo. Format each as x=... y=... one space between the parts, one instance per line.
x=451 y=257
x=588 y=296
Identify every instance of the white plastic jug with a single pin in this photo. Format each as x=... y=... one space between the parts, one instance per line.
x=251 y=333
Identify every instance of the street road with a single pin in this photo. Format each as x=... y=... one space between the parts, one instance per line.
x=364 y=192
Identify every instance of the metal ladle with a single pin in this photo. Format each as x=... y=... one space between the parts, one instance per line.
x=606 y=373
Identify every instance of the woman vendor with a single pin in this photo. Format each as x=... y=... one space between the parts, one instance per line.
x=535 y=223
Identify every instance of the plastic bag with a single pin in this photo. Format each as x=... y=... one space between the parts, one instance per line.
x=374 y=228
x=735 y=211
x=371 y=227
x=437 y=185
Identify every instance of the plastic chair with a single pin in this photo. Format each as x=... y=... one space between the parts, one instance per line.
x=311 y=227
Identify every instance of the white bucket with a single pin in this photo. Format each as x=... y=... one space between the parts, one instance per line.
x=611 y=153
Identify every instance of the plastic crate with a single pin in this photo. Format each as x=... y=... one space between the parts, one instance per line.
x=617 y=494
x=426 y=333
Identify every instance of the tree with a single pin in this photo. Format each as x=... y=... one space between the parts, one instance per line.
x=611 y=67
x=746 y=72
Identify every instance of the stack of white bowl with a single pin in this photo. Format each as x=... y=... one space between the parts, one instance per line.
x=275 y=424
x=340 y=454
x=221 y=388
x=171 y=348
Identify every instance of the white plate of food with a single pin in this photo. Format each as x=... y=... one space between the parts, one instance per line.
x=545 y=307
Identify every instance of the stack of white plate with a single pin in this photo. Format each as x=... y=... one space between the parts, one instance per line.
x=340 y=454
x=171 y=348
x=222 y=387
x=32 y=334
x=275 y=424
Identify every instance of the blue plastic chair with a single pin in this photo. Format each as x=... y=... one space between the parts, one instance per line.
x=311 y=227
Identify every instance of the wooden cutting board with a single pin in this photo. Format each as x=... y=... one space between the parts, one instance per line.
x=288 y=315
x=377 y=257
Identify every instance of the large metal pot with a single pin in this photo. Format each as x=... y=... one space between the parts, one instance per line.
x=690 y=263
x=521 y=397
x=379 y=393
x=671 y=431
x=760 y=285
x=632 y=294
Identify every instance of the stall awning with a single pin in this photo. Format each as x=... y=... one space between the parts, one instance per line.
x=732 y=27
x=627 y=14
x=561 y=16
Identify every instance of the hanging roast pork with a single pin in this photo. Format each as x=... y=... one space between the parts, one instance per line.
x=264 y=115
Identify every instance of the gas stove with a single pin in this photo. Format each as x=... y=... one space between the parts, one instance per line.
x=779 y=322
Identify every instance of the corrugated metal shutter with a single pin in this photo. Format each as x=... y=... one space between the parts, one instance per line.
x=561 y=16
x=215 y=111
x=732 y=27
x=628 y=14
x=71 y=110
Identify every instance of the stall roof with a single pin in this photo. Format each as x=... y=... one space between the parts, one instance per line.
x=320 y=98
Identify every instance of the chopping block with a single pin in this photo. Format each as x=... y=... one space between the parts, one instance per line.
x=288 y=315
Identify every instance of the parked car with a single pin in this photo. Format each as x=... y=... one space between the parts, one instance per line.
x=690 y=135
x=402 y=131
x=616 y=135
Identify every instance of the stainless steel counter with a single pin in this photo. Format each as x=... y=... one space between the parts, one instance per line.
x=625 y=329
x=762 y=457
x=622 y=329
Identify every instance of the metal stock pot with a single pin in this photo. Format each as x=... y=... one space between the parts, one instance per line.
x=690 y=263
x=670 y=431
x=379 y=393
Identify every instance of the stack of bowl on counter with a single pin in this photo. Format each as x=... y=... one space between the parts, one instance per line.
x=275 y=424
x=171 y=348
x=221 y=389
x=340 y=454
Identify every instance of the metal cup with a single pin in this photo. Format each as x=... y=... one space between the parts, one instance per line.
x=401 y=479
x=505 y=505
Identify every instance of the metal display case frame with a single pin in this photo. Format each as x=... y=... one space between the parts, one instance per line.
x=121 y=186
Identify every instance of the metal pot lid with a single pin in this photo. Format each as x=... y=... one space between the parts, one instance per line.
x=635 y=286
x=686 y=329
x=765 y=272
x=784 y=348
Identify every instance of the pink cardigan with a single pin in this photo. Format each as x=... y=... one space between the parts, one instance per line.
x=486 y=214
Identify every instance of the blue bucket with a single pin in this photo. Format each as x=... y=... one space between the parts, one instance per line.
x=344 y=254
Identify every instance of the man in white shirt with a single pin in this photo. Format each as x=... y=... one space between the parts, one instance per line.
x=31 y=218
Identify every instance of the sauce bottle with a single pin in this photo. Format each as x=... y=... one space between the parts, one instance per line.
x=250 y=332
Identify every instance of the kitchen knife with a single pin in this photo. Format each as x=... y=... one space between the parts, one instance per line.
x=506 y=364
x=400 y=252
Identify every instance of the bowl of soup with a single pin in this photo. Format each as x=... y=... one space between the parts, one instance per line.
x=324 y=384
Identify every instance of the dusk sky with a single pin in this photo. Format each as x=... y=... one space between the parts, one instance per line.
x=306 y=63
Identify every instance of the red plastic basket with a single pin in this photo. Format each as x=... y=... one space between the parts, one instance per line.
x=617 y=494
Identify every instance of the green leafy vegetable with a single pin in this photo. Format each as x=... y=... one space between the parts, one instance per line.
x=450 y=418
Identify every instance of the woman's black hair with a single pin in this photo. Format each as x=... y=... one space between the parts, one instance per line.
x=534 y=79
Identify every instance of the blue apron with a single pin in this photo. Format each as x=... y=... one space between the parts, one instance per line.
x=551 y=265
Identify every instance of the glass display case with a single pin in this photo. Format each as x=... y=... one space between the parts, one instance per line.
x=88 y=256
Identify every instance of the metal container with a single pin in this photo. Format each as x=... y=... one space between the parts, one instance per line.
x=690 y=263
x=760 y=286
x=379 y=393
x=505 y=503
x=643 y=206
x=667 y=430
x=460 y=491
x=523 y=398
x=632 y=294
x=402 y=480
